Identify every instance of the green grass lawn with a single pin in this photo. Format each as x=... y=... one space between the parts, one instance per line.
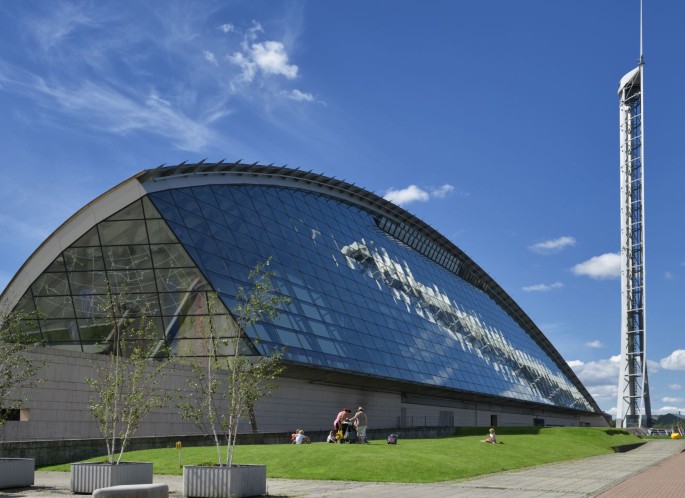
x=411 y=460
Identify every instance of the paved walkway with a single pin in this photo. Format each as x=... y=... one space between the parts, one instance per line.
x=654 y=469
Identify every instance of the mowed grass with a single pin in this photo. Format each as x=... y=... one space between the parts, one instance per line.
x=411 y=460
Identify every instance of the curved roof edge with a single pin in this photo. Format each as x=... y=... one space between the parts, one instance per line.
x=186 y=175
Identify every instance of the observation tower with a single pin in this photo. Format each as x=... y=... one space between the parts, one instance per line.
x=633 y=407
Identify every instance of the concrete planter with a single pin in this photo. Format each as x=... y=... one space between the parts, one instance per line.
x=224 y=482
x=17 y=472
x=87 y=477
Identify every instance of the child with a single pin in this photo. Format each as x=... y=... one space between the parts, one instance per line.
x=301 y=438
x=491 y=437
x=331 y=437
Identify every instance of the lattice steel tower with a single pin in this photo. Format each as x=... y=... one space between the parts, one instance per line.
x=633 y=408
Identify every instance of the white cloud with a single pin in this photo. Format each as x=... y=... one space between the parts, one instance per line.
x=595 y=344
x=269 y=57
x=300 y=96
x=209 y=57
x=675 y=387
x=407 y=195
x=54 y=30
x=553 y=245
x=668 y=399
x=227 y=28
x=111 y=110
x=600 y=378
x=442 y=191
x=594 y=373
x=602 y=267
x=669 y=409
x=674 y=361
x=542 y=287
x=413 y=194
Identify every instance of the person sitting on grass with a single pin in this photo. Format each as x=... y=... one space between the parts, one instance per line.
x=293 y=436
x=301 y=438
x=491 y=437
x=331 y=438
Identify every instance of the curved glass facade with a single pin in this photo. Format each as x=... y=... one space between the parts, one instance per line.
x=369 y=295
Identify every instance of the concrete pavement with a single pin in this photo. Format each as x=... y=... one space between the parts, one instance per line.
x=651 y=470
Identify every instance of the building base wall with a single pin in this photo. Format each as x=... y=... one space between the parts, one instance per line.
x=57 y=408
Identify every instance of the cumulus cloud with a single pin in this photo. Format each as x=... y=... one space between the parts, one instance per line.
x=407 y=195
x=442 y=191
x=596 y=372
x=674 y=361
x=269 y=57
x=599 y=377
x=542 y=287
x=595 y=344
x=413 y=193
x=606 y=266
x=668 y=399
x=553 y=245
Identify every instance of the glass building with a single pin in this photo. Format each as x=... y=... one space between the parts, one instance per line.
x=379 y=299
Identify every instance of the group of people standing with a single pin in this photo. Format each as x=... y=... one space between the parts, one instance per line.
x=343 y=423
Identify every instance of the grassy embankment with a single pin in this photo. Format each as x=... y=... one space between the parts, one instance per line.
x=412 y=460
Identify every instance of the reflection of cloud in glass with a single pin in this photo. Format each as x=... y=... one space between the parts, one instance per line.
x=473 y=335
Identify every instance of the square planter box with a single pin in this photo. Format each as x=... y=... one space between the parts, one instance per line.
x=224 y=482
x=17 y=472
x=87 y=477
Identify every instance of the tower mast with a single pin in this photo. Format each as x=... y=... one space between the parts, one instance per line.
x=633 y=407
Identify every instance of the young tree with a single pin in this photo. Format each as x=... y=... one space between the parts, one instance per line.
x=17 y=368
x=226 y=376
x=125 y=386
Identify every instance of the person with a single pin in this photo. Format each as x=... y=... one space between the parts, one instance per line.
x=301 y=438
x=341 y=419
x=331 y=438
x=491 y=437
x=360 y=421
x=294 y=435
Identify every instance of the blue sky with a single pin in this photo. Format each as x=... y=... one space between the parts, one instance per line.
x=496 y=122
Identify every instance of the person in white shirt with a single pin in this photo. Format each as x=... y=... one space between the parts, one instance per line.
x=360 y=421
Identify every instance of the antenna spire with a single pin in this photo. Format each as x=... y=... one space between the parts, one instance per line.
x=641 y=58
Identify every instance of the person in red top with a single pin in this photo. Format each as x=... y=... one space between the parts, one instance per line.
x=342 y=416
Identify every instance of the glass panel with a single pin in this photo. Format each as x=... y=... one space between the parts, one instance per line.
x=57 y=265
x=127 y=257
x=180 y=279
x=51 y=284
x=122 y=232
x=160 y=233
x=150 y=209
x=170 y=256
x=55 y=307
x=60 y=330
x=92 y=282
x=132 y=212
x=83 y=259
x=132 y=281
x=90 y=305
x=89 y=239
